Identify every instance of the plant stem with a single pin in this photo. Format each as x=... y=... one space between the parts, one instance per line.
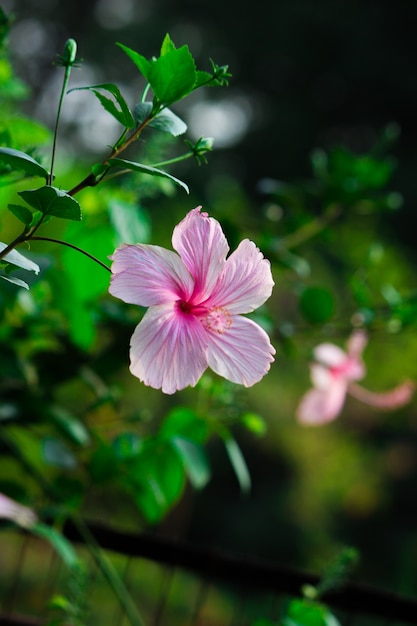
x=90 y=180
x=12 y=245
x=58 y=115
x=109 y=572
x=177 y=159
x=312 y=228
x=93 y=547
x=74 y=247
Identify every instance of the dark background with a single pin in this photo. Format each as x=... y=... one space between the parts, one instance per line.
x=307 y=74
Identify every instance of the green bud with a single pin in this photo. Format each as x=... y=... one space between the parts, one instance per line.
x=204 y=144
x=70 y=51
x=69 y=58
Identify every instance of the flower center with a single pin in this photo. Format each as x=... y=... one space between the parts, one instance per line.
x=217 y=320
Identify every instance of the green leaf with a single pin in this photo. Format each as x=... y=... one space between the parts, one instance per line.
x=103 y=464
x=173 y=75
x=184 y=422
x=26 y=132
x=238 y=463
x=21 y=212
x=121 y=114
x=20 y=161
x=166 y=120
x=317 y=304
x=15 y=281
x=141 y=63
x=157 y=479
x=56 y=453
x=52 y=201
x=85 y=281
x=167 y=45
x=71 y=426
x=15 y=258
x=254 y=423
x=130 y=221
x=62 y=546
x=127 y=445
x=147 y=169
x=308 y=613
x=194 y=460
x=202 y=78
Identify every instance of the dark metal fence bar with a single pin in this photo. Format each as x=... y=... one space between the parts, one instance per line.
x=255 y=574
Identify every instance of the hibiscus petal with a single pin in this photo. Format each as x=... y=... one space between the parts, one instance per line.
x=357 y=343
x=321 y=376
x=320 y=406
x=388 y=400
x=168 y=349
x=242 y=353
x=148 y=275
x=202 y=246
x=245 y=282
x=330 y=355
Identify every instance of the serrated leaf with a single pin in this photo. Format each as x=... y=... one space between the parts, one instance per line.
x=16 y=258
x=52 y=201
x=173 y=75
x=167 y=45
x=122 y=114
x=147 y=169
x=140 y=61
x=166 y=120
x=202 y=78
x=21 y=161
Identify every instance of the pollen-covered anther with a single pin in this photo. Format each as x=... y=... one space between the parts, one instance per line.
x=218 y=320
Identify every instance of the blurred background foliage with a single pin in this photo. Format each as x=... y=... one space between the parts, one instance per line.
x=314 y=159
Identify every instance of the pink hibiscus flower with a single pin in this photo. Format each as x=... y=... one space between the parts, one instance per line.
x=10 y=509
x=333 y=375
x=195 y=300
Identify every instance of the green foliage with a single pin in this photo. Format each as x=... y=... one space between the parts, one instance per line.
x=51 y=201
x=308 y=613
x=62 y=546
x=121 y=113
x=165 y=120
x=20 y=161
x=172 y=76
x=317 y=304
x=147 y=169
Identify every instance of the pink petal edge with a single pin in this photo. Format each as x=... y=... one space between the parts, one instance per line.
x=243 y=354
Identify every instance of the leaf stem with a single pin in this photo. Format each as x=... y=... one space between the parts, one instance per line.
x=177 y=159
x=73 y=247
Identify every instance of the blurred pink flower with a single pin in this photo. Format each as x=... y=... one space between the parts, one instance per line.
x=22 y=515
x=333 y=375
x=195 y=300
